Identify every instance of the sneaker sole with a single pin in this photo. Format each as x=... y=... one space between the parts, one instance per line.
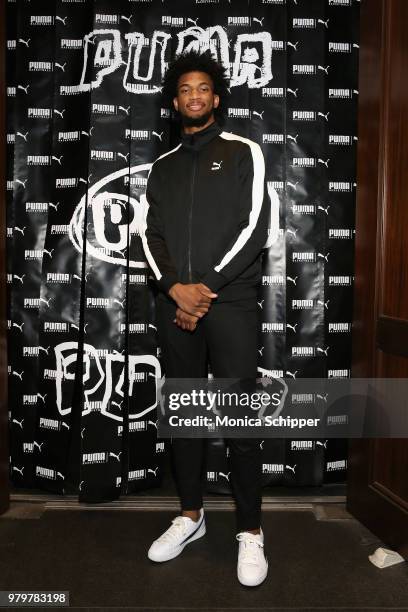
x=259 y=581
x=199 y=534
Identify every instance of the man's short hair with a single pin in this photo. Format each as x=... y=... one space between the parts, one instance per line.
x=201 y=62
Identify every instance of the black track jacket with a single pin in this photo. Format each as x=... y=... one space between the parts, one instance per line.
x=207 y=214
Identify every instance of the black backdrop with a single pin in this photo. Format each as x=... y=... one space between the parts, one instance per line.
x=85 y=122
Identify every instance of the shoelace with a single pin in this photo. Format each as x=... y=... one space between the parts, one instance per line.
x=177 y=529
x=251 y=548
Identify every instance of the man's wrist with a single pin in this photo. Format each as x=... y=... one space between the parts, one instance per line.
x=214 y=280
x=167 y=281
x=173 y=290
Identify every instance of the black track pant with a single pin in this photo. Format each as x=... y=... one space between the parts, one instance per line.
x=227 y=336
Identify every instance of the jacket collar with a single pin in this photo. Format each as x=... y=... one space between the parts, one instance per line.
x=194 y=142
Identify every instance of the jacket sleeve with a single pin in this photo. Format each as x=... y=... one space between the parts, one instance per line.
x=154 y=244
x=253 y=220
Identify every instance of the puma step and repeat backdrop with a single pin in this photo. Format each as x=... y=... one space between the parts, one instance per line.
x=85 y=122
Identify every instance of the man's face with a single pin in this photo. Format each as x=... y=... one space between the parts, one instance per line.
x=195 y=100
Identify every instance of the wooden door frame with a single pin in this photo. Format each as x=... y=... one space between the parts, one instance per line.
x=368 y=211
x=364 y=500
x=369 y=199
x=4 y=453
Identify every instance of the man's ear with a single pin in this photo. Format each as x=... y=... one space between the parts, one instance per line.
x=216 y=101
x=175 y=102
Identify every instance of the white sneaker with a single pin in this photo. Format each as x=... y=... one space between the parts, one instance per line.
x=252 y=566
x=182 y=531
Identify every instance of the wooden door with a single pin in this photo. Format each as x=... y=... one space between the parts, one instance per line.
x=378 y=469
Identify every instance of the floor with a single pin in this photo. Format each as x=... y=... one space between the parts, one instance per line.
x=318 y=559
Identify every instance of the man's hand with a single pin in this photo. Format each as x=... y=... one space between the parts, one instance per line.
x=185 y=320
x=194 y=299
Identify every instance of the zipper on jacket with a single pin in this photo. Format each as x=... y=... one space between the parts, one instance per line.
x=190 y=221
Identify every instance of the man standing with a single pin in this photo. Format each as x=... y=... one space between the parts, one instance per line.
x=206 y=224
